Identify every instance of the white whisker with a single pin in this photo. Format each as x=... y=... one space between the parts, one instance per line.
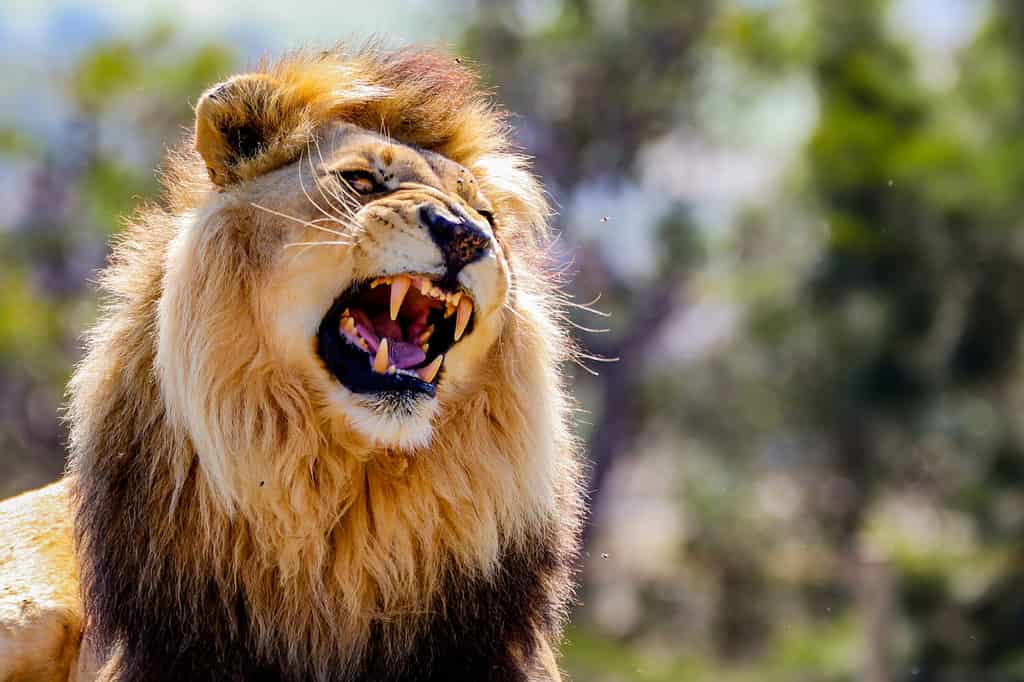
x=586 y=369
x=587 y=329
x=309 y=198
x=346 y=207
x=597 y=358
x=587 y=308
x=300 y=221
x=514 y=311
x=329 y=243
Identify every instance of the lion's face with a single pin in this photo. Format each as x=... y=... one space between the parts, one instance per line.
x=388 y=284
x=333 y=290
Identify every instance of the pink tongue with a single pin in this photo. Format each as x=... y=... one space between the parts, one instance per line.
x=404 y=355
x=401 y=354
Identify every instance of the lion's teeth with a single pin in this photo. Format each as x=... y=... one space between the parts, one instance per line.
x=449 y=310
x=462 y=320
x=399 y=287
x=430 y=371
x=455 y=298
x=380 y=361
x=424 y=286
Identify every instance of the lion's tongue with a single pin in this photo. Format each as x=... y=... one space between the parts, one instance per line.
x=401 y=354
x=404 y=355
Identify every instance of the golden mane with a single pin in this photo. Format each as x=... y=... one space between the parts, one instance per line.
x=279 y=528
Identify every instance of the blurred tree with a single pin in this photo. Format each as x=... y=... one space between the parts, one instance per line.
x=898 y=353
x=124 y=102
x=615 y=80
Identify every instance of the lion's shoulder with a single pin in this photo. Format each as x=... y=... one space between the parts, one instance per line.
x=40 y=608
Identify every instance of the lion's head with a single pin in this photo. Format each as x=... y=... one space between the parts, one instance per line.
x=332 y=360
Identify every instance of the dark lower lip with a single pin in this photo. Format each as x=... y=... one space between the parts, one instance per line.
x=351 y=366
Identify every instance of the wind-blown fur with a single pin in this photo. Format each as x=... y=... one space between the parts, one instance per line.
x=229 y=526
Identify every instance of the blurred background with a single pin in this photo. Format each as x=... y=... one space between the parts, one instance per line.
x=804 y=219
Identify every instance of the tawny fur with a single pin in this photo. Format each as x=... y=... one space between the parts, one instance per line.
x=218 y=438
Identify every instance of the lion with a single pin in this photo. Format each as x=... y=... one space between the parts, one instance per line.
x=320 y=430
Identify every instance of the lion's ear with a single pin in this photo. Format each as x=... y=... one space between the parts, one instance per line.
x=246 y=126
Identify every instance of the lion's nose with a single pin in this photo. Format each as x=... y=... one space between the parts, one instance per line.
x=460 y=240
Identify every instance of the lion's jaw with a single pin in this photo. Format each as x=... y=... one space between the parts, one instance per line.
x=313 y=266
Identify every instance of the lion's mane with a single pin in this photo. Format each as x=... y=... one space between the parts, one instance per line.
x=286 y=547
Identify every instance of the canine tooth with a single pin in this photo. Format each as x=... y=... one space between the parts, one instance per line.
x=348 y=324
x=399 y=287
x=380 y=361
x=424 y=347
x=437 y=293
x=465 y=310
x=430 y=371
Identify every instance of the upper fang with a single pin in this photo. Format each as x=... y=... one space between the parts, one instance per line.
x=462 y=317
x=399 y=287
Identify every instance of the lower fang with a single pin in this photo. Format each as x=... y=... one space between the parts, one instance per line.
x=380 y=361
x=429 y=372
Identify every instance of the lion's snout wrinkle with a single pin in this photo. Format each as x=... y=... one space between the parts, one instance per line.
x=461 y=240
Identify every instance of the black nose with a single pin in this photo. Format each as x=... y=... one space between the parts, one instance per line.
x=461 y=241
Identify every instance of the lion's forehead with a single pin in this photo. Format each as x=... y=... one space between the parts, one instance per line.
x=350 y=147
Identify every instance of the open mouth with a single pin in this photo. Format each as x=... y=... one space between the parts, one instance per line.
x=391 y=333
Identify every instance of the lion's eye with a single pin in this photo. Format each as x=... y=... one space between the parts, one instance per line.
x=361 y=182
x=488 y=215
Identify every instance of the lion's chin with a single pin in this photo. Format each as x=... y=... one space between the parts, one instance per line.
x=396 y=420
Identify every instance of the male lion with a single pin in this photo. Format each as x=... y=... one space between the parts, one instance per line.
x=319 y=432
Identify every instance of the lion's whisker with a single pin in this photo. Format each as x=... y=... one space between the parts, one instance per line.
x=326 y=243
x=300 y=221
x=515 y=312
x=591 y=372
x=349 y=204
x=586 y=307
x=346 y=207
x=587 y=329
x=309 y=198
